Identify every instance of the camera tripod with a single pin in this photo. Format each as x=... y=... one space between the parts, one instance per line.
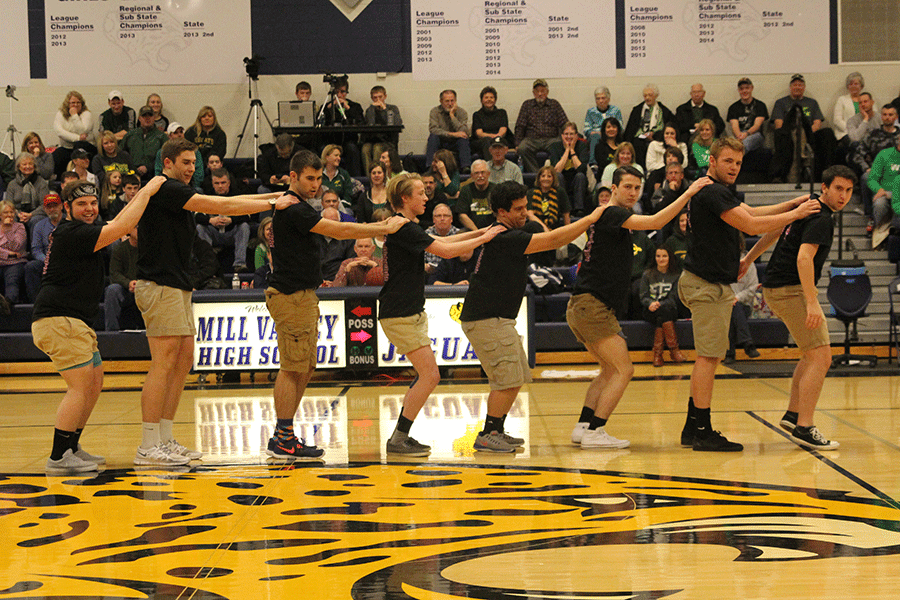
x=11 y=94
x=256 y=106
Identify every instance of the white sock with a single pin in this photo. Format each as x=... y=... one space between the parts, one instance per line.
x=165 y=430
x=151 y=435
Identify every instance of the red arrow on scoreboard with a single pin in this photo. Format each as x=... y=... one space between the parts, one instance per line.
x=359 y=336
x=362 y=311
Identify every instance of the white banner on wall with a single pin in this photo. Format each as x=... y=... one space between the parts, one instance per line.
x=512 y=39
x=736 y=37
x=123 y=42
x=240 y=336
x=14 y=33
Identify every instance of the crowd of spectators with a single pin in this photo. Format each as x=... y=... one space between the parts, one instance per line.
x=568 y=167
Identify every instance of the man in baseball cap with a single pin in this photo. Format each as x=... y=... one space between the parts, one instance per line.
x=40 y=243
x=118 y=118
x=540 y=123
x=501 y=168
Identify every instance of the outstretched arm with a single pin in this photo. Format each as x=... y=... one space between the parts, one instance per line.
x=650 y=222
x=451 y=249
x=776 y=209
x=549 y=240
x=355 y=231
x=739 y=218
x=237 y=205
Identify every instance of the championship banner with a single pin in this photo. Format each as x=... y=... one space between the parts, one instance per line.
x=512 y=39
x=14 y=33
x=737 y=37
x=123 y=42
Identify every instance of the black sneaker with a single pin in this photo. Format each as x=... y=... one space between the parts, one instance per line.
x=689 y=431
x=292 y=449
x=401 y=443
x=729 y=357
x=751 y=351
x=811 y=437
x=709 y=440
x=789 y=422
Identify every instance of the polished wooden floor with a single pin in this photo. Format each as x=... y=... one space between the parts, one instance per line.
x=651 y=521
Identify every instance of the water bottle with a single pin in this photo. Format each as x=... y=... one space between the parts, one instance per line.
x=235 y=282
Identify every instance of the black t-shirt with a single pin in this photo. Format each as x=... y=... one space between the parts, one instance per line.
x=403 y=293
x=746 y=113
x=296 y=250
x=476 y=204
x=714 y=251
x=605 y=271
x=816 y=229
x=72 y=283
x=165 y=236
x=497 y=285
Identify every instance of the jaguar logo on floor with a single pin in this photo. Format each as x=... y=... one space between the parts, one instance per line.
x=425 y=532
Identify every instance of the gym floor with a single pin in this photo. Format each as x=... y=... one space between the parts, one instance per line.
x=651 y=521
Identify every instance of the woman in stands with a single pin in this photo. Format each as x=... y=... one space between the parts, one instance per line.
x=402 y=299
x=12 y=256
x=656 y=151
x=659 y=288
x=446 y=173
x=155 y=102
x=67 y=304
x=110 y=158
x=206 y=133
x=605 y=151
x=43 y=160
x=27 y=191
x=391 y=160
x=333 y=176
x=74 y=124
x=622 y=157
x=548 y=204
x=376 y=197
x=700 y=144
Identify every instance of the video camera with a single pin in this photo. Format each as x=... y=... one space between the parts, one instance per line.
x=336 y=81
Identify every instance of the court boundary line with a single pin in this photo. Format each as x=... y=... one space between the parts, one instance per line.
x=827 y=461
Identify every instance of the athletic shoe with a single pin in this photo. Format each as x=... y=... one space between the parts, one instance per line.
x=85 y=455
x=751 y=351
x=713 y=441
x=788 y=422
x=811 y=437
x=293 y=449
x=160 y=456
x=598 y=438
x=401 y=443
x=492 y=442
x=176 y=448
x=578 y=432
x=688 y=433
x=512 y=441
x=70 y=463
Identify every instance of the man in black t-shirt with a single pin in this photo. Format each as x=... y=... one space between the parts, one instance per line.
x=715 y=215
x=495 y=293
x=296 y=246
x=746 y=117
x=163 y=293
x=790 y=291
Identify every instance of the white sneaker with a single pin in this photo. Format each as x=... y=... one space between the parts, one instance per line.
x=159 y=455
x=176 y=448
x=578 y=432
x=85 y=455
x=598 y=438
x=70 y=463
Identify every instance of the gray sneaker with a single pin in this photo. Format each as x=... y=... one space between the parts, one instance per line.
x=512 y=441
x=492 y=442
x=70 y=463
x=87 y=456
x=401 y=443
x=176 y=448
x=159 y=456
